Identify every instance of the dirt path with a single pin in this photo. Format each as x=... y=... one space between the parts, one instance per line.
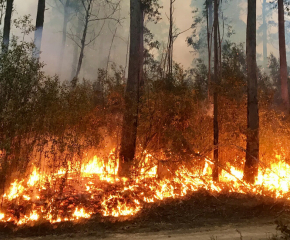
x=229 y=232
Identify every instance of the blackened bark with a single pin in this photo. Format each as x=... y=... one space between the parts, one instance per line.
x=252 y=153
x=39 y=27
x=132 y=94
x=7 y=24
x=64 y=32
x=215 y=174
x=283 y=61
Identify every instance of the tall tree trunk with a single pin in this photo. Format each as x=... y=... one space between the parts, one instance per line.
x=252 y=153
x=39 y=27
x=215 y=174
x=283 y=61
x=83 y=41
x=132 y=94
x=64 y=31
x=265 y=37
x=209 y=42
x=7 y=24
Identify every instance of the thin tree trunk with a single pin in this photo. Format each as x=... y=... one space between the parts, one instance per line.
x=215 y=174
x=110 y=50
x=84 y=37
x=252 y=153
x=76 y=50
x=170 y=42
x=64 y=31
x=39 y=27
x=265 y=38
x=127 y=53
x=209 y=43
x=283 y=61
x=7 y=24
x=132 y=94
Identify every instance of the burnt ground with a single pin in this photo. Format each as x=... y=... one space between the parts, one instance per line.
x=198 y=210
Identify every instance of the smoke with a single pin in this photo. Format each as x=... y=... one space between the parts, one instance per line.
x=96 y=54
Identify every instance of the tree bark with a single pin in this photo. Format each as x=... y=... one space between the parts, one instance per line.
x=265 y=37
x=215 y=173
x=39 y=27
x=64 y=32
x=7 y=24
x=283 y=61
x=132 y=94
x=252 y=153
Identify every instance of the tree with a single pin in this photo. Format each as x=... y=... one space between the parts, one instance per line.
x=170 y=41
x=76 y=47
x=130 y=118
x=283 y=61
x=209 y=10
x=172 y=36
x=252 y=151
x=39 y=27
x=88 y=17
x=7 y=24
x=215 y=173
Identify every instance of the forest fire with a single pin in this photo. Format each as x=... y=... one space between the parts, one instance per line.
x=69 y=195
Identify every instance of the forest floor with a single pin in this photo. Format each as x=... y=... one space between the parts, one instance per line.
x=201 y=215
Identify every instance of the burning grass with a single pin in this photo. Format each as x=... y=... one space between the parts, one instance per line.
x=93 y=188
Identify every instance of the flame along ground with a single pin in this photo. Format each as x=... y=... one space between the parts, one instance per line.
x=69 y=195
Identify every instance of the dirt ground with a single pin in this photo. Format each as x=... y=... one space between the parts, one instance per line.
x=198 y=216
x=229 y=232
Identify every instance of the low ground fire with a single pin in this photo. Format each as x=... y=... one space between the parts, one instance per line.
x=94 y=188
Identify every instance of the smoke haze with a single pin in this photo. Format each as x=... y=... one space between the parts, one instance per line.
x=96 y=55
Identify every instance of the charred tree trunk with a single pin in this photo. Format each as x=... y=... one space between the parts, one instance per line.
x=283 y=61
x=215 y=174
x=7 y=24
x=132 y=94
x=39 y=27
x=252 y=153
x=64 y=32
x=265 y=38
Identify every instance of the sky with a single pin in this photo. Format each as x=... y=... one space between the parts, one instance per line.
x=97 y=54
